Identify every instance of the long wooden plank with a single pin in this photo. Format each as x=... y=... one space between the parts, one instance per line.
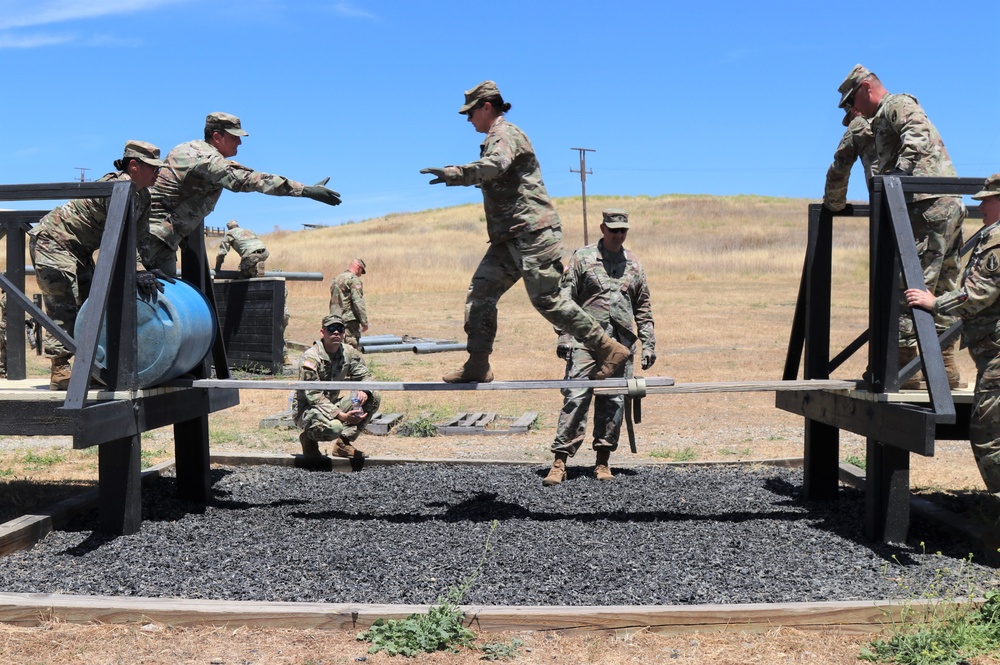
x=848 y=616
x=654 y=385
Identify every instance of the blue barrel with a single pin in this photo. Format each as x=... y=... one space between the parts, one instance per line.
x=173 y=334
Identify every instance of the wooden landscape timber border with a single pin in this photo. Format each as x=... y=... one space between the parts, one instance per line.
x=855 y=617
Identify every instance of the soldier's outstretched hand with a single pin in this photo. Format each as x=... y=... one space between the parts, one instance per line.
x=438 y=173
x=321 y=194
x=648 y=359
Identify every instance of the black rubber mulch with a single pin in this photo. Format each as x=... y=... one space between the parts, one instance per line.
x=405 y=534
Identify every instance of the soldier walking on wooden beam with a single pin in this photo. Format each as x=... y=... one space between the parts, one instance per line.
x=608 y=282
x=525 y=241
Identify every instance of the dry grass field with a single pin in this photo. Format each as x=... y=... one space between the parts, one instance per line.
x=724 y=275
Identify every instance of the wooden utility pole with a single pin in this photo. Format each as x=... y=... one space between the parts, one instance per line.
x=583 y=185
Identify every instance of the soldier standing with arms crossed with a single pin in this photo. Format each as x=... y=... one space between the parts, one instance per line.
x=347 y=300
x=525 y=241
x=977 y=302
x=906 y=143
x=608 y=282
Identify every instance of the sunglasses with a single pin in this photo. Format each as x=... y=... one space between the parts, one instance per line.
x=617 y=230
x=472 y=111
x=849 y=102
x=335 y=328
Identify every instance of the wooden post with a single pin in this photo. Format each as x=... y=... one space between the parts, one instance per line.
x=119 y=490
x=191 y=444
x=821 y=462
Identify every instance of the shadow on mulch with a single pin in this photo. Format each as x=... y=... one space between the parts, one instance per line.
x=24 y=497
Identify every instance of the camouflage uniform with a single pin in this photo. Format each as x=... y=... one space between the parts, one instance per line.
x=250 y=248
x=977 y=302
x=347 y=300
x=612 y=288
x=62 y=250
x=857 y=143
x=525 y=240
x=906 y=140
x=316 y=410
x=187 y=190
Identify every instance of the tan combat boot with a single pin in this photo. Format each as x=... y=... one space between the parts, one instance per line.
x=609 y=358
x=342 y=448
x=602 y=469
x=310 y=448
x=951 y=367
x=906 y=354
x=557 y=473
x=475 y=370
x=61 y=370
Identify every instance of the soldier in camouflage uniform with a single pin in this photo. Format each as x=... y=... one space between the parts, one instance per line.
x=525 y=241
x=906 y=143
x=251 y=250
x=187 y=190
x=977 y=302
x=324 y=415
x=62 y=250
x=608 y=281
x=856 y=143
x=347 y=300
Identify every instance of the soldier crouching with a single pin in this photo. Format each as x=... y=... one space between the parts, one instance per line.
x=326 y=415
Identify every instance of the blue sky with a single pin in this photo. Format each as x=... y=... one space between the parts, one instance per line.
x=702 y=98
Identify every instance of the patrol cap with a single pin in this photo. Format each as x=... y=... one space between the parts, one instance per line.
x=223 y=122
x=361 y=262
x=232 y=224
x=615 y=218
x=331 y=319
x=482 y=91
x=990 y=188
x=144 y=152
x=857 y=75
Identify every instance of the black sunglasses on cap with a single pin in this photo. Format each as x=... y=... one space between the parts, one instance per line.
x=335 y=328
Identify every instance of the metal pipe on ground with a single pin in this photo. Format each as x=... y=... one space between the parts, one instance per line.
x=377 y=340
x=386 y=348
x=437 y=348
x=231 y=274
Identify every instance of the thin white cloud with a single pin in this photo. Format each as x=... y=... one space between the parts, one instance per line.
x=349 y=10
x=23 y=14
x=33 y=41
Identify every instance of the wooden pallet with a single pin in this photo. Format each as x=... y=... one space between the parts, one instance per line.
x=476 y=423
x=381 y=423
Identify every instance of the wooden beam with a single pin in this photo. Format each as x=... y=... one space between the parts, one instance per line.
x=862 y=617
x=902 y=425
